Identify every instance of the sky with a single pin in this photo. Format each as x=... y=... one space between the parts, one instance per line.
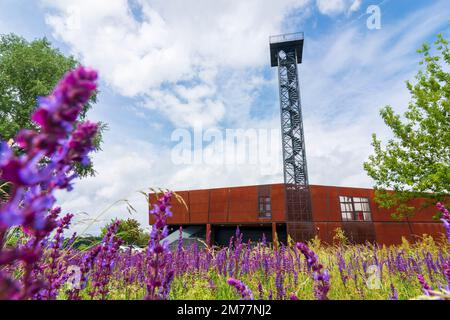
x=174 y=67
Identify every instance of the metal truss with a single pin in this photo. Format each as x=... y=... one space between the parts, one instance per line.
x=298 y=199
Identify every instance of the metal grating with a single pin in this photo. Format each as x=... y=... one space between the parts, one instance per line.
x=359 y=232
x=301 y=231
x=295 y=168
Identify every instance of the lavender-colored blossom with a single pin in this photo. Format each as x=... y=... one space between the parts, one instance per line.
x=45 y=165
x=260 y=291
x=241 y=288
x=56 y=270
x=158 y=250
x=425 y=286
x=104 y=262
x=279 y=285
x=321 y=276
x=394 y=294
x=445 y=218
x=446 y=271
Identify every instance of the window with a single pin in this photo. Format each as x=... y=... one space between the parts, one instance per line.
x=355 y=209
x=265 y=210
x=264 y=204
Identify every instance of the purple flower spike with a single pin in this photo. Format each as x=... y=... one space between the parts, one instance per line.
x=158 y=254
x=62 y=143
x=425 y=286
x=321 y=276
x=446 y=271
x=394 y=294
x=445 y=218
x=241 y=288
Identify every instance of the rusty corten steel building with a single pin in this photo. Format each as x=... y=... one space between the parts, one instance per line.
x=260 y=209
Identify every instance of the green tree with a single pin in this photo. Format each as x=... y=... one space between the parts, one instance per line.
x=84 y=242
x=29 y=70
x=130 y=232
x=415 y=163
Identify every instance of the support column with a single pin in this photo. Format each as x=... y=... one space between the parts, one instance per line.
x=274 y=234
x=208 y=234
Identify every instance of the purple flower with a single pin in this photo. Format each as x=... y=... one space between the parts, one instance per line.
x=342 y=268
x=446 y=271
x=425 y=286
x=160 y=272
x=80 y=143
x=445 y=218
x=104 y=262
x=241 y=288
x=55 y=271
x=46 y=164
x=260 y=291
x=321 y=276
x=394 y=294
x=279 y=285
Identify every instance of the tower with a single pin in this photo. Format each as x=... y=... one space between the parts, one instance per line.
x=285 y=53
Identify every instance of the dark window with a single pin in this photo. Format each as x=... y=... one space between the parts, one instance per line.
x=265 y=209
x=355 y=208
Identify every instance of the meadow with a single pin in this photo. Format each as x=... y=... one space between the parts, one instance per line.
x=38 y=262
x=249 y=271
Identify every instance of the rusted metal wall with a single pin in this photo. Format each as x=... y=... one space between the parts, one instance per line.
x=243 y=204
x=218 y=205
x=278 y=204
x=383 y=228
x=239 y=205
x=226 y=205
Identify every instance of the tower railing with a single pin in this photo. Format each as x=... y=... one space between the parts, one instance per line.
x=286 y=37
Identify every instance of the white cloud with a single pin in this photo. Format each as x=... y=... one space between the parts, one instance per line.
x=355 y=5
x=335 y=7
x=331 y=7
x=169 y=42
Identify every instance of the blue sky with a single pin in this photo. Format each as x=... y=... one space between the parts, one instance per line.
x=166 y=65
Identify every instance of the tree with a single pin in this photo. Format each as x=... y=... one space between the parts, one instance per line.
x=130 y=232
x=415 y=163
x=29 y=70
x=84 y=242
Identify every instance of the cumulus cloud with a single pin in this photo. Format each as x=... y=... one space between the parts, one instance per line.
x=147 y=49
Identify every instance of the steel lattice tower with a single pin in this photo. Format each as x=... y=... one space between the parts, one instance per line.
x=286 y=52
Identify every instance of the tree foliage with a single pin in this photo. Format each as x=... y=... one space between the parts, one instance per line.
x=130 y=232
x=29 y=70
x=415 y=163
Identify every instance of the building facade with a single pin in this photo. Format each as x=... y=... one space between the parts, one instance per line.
x=261 y=209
